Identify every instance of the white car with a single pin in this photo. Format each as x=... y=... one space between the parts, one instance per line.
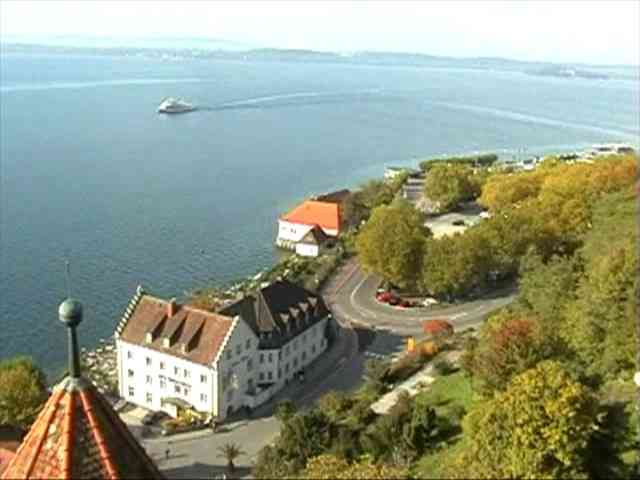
x=427 y=302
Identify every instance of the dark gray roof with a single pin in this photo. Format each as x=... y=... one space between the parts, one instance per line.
x=277 y=312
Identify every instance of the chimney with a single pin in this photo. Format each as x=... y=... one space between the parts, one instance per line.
x=172 y=308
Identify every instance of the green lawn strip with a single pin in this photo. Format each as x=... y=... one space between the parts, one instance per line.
x=449 y=394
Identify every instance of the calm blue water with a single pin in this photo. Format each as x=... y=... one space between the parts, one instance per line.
x=90 y=172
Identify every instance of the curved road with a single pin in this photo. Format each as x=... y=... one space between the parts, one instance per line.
x=353 y=298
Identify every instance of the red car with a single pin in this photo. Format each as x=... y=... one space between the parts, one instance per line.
x=384 y=297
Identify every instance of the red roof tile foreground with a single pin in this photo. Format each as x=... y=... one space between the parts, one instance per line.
x=78 y=435
x=5 y=456
x=310 y=212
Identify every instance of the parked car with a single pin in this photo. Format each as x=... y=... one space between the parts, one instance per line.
x=458 y=223
x=427 y=302
x=406 y=303
x=394 y=300
x=384 y=296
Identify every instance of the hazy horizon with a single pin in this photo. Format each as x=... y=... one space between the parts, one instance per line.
x=588 y=32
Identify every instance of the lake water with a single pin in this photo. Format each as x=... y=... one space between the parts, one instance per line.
x=90 y=172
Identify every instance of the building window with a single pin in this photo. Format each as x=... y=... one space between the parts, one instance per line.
x=129 y=354
x=279 y=373
x=131 y=392
x=130 y=373
x=238 y=349
x=176 y=388
x=229 y=353
x=163 y=383
x=304 y=356
x=203 y=379
x=229 y=395
x=175 y=371
x=250 y=364
x=261 y=376
x=148 y=360
x=187 y=374
x=247 y=344
x=295 y=362
x=270 y=357
x=270 y=375
x=313 y=348
x=161 y=365
x=286 y=368
x=149 y=398
x=203 y=397
x=148 y=379
x=262 y=358
x=186 y=391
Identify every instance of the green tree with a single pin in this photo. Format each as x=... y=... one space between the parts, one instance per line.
x=540 y=427
x=22 y=393
x=455 y=265
x=391 y=242
x=449 y=184
x=332 y=467
x=285 y=410
x=230 y=451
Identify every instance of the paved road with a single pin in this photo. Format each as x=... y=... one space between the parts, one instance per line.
x=355 y=301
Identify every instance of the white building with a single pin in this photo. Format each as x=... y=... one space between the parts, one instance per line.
x=323 y=212
x=174 y=356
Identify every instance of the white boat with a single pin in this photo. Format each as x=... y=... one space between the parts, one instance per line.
x=174 y=105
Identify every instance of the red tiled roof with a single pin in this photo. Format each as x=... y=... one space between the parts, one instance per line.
x=78 y=435
x=5 y=456
x=312 y=212
x=200 y=331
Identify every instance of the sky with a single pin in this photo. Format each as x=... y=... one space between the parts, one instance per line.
x=598 y=32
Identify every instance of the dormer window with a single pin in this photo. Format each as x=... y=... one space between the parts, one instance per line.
x=166 y=342
x=149 y=337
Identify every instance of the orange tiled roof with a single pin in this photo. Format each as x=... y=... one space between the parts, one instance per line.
x=78 y=435
x=5 y=456
x=312 y=212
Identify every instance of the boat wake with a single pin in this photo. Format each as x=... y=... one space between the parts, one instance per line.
x=101 y=83
x=293 y=99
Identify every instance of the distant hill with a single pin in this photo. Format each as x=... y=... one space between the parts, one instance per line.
x=203 y=48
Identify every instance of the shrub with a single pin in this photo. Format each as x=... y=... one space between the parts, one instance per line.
x=444 y=367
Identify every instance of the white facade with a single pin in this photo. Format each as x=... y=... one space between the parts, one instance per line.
x=307 y=249
x=241 y=375
x=290 y=233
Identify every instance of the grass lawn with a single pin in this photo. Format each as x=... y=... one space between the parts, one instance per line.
x=449 y=390
x=449 y=394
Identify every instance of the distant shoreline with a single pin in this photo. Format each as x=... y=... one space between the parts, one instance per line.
x=371 y=58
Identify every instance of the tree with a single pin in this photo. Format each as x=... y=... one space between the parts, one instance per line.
x=22 y=393
x=390 y=244
x=540 y=427
x=546 y=288
x=285 y=410
x=230 y=451
x=334 y=405
x=450 y=184
x=332 y=467
x=452 y=266
x=502 y=191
